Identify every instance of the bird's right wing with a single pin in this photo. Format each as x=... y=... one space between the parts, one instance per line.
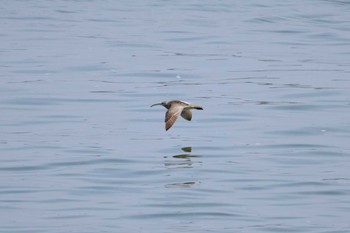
x=186 y=114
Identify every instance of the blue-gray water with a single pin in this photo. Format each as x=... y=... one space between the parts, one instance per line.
x=82 y=151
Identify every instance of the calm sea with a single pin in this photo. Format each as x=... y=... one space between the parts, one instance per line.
x=81 y=151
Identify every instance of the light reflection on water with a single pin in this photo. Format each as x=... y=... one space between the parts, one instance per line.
x=82 y=151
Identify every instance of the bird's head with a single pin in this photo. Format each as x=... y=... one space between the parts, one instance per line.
x=164 y=103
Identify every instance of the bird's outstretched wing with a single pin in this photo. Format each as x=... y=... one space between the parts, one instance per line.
x=187 y=114
x=171 y=115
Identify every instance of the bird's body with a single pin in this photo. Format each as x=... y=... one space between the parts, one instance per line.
x=176 y=108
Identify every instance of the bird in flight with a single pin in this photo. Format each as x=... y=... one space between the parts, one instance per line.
x=176 y=108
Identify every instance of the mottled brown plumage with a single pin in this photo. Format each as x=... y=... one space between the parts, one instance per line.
x=176 y=108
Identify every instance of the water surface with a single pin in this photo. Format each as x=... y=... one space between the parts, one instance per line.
x=82 y=151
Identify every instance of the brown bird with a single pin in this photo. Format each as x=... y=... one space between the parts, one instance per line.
x=175 y=108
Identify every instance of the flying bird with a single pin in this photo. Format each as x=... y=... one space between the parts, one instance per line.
x=176 y=108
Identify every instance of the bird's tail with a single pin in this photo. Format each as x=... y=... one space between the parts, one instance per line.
x=197 y=107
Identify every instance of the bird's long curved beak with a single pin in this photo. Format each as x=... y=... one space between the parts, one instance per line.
x=156 y=104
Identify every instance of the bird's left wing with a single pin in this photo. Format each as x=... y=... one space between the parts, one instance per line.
x=171 y=115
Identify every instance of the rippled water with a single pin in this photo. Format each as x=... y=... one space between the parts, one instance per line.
x=82 y=151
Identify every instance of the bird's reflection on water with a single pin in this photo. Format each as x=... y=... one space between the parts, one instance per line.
x=182 y=160
x=181 y=185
